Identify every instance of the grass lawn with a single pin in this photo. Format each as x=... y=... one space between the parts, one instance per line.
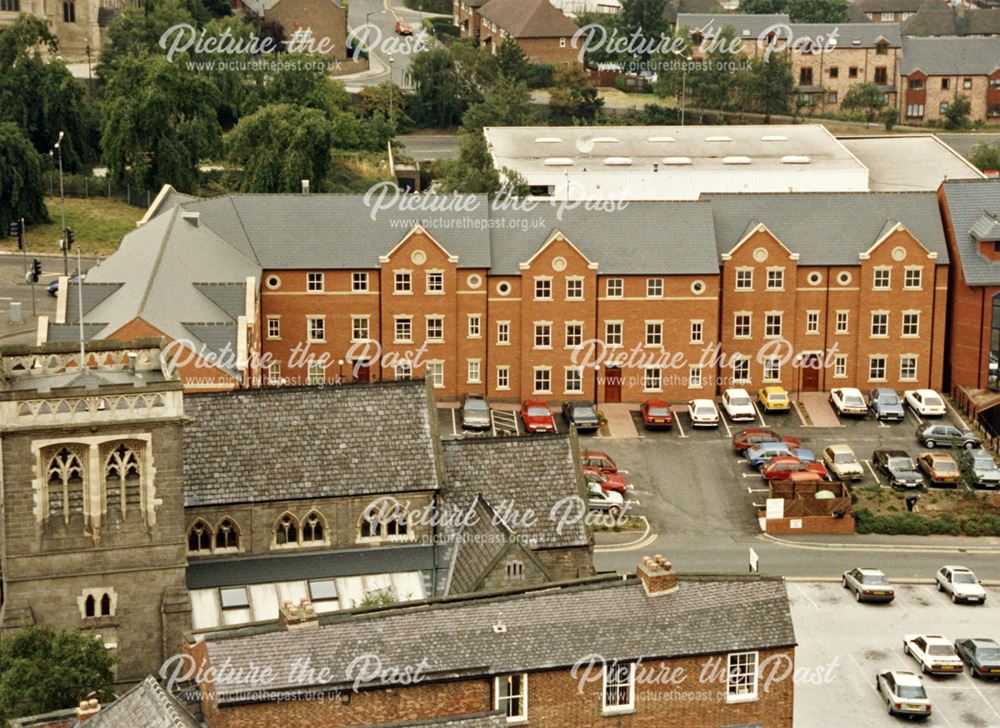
x=98 y=225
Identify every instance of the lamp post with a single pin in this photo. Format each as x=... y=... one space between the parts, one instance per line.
x=62 y=204
x=391 y=61
x=687 y=59
x=798 y=367
x=340 y=371
x=90 y=78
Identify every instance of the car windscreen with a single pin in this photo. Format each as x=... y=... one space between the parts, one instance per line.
x=777 y=397
x=888 y=399
x=739 y=402
x=902 y=464
x=945 y=466
x=478 y=405
x=933 y=402
x=874 y=579
x=961 y=577
x=705 y=411
x=585 y=413
x=659 y=411
x=538 y=412
x=940 y=650
x=983 y=461
x=854 y=401
x=911 y=692
x=844 y=458
x=988 y=653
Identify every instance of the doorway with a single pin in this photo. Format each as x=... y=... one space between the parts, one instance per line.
x=612 y=385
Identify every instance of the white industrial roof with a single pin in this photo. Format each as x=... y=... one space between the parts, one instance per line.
x=909 y=162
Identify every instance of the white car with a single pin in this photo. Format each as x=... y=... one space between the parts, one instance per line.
x=925 y=402
x=703 y=413
x=848 y=401
x=961 y=584
x=934 y=653
x=609 y=501
x=738 y=405
x=903 y=693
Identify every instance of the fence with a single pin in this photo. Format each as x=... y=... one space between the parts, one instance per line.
x=79 y=185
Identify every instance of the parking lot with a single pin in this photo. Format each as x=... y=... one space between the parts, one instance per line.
x=843 y=645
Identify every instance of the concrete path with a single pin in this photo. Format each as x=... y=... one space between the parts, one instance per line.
x=816 y=410
x=620 y=422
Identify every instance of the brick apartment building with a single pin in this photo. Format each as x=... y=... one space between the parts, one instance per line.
x=936 y=71
x=536 y=656
x=888 y=11
x=543 y=31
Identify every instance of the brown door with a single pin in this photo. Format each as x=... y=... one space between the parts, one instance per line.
x=810 y=373
x=612 y=384
x=363 y=371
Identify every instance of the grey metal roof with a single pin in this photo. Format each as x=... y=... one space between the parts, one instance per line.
x=92 y=296
x=746 y=25
x=850 y=35
x=147 y=704
x=950 y=56
x=273 y=444
x=230 y=297
x=493 y=719
x=546 y=628
x=518 y=475
x=909 y=162
x=829 y=229
x=71 y=332
x=966 y=202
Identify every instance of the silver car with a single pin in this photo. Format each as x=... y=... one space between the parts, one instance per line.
x=869 y=585
x=476 y=413
x=903 y=693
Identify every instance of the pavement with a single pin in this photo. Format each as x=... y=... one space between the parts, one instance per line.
x=816 y=410
x=620 y=421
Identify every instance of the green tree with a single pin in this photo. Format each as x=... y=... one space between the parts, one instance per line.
x=440 y=91
x=22 y=187
x=818 y=11
x=573 y=99
x=763 y=7
x=957 y=115
x=768 y=86
x=889 y=117
x=140 y=29
x=985 y=156
x=709 y=87
x=43 y=669
x=645 y=20
x=866 y=98
x=509 y=62
x=27 y=37
x=281 y=145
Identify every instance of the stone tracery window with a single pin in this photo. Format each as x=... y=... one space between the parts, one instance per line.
x=122 y=481
x=313 y=528
x=65 y=479
x=227 y=535
x=286 y=530
x=199 y=537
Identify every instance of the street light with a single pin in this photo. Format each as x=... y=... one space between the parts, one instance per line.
x=391 y=61
x=798 y=366
x=340 y=371
x=62 y=203
x=684 y=87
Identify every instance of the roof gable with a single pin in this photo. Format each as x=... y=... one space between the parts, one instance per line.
x=529 y=18
x=414 y=231
x=754 y=227
x=558 y=237
x=891 y=227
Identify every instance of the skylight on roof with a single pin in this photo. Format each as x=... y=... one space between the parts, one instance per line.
x=618 y=161
x=718 y=139
x=677 y=160
x=774 y=138
x=605 y=140
x=794 y=159
x=547 y=140
x=558 y=162
x=663 y=139
x=736 y=160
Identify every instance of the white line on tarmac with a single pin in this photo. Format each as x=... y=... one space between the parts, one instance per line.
x=725 y=424
x=677 y=419
x=808 y=598
x=872 y=471
x=759 y=414
x=454 y=424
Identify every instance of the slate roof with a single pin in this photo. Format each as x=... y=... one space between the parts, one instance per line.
x=851 y=35
x=545 y=628
x=950 y=56
x=821 y=236
x=147 y=704
x=93 y=296
x=746 y=25
x=888 y=6
x=529 y=18
x=967 y=202
x=518 y=476
x=273 y=444
x=688 y=7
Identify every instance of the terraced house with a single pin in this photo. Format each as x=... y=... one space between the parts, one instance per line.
x=936 y=71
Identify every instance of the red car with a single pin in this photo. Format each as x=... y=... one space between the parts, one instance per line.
x=537 y=417
x=782 y=467
x=656 y=414
x=607 y=481
x=403 y=28
x=596 y=459
x=755 y=435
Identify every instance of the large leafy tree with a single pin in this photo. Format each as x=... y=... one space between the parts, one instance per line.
x=43 y=669
x=643 y=19
x=818 y=11
x=709 y=87
x=22 y=187
x=866 y=98
x=573 y=99
x=957 y=115
x=139 y=30
x=986 y=156
x=768 y=86
x=763 y=7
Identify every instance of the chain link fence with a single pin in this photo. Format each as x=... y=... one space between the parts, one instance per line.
x=79 y=185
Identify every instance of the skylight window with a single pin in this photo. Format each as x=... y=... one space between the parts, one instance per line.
x=618 y=161
x=677 y=160
x=558 y=162
x=547 y=140
x=736 y=160
x=718 y=139
x=794 y=159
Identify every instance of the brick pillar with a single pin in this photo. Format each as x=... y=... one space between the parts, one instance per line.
x=657 y=576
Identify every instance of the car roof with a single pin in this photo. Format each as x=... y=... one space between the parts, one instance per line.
x=702 y=402
x=894 y=453
x=535 y=402
x=594 y=454
x=738 y=391
x=884 y=390
x=984 y=641
x=869 y=570
x=841 y=447
x=656 y=403
x=925 y=392
x=849 y=390
x=774 y=390
x=942 y=456
x=904 y=677
x=957 y=568
x=935 y=639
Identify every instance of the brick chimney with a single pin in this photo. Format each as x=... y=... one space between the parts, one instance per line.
x=297 y=616
x=657 y=576
x=87 y=709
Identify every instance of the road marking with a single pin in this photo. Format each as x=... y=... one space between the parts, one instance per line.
x=680 y=427
x=752 y=475
x=454 y=424
x=493 y=424
x=758 y=490
x=742 y=461
x=872 y=471
x=911 y=411
x=722 y=416
x=759 y=412
x=975 y=687
x=808 y=598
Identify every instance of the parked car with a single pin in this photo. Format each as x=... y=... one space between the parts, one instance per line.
x=756 y=435
x=925 y=402
x=903 y=693
x=869 y=585
x=841 y=461
x=703 y=413
x=940 y=468
x=764 y=451
x=981 y=654
x=581 y=415
x=656 y=414
x=774 y=399
x=738 y=405
x=537 y=417
x=608 y=481
x=933 y=652
x=476 y=413
x=597 y=459
x=899 y=467
x=806 y=456
x=53 y=287
x=961 y=583
x=403 y=28
x=947 y=435
x=983 y=467
x=848 y=401
x=782 y=467
x=885 y=404
x=604 y=500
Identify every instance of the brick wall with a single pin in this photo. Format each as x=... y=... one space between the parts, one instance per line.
x=325 y=19
x=811 y=525
x=938 y=90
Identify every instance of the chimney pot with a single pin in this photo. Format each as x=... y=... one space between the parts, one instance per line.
x=657 y=576
x=87 y=709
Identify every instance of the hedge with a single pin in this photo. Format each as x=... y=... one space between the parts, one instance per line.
x=917 y=524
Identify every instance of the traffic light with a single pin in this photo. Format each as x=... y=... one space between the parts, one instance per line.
x=17 y=228
x=69 y=238
x=36 y=268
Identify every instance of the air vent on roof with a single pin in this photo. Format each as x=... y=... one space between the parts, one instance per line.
x=547 y=140
x=191 y=217
x=558 y=162
x=718 y=139
x=774 y=138
x=794 y=159
x=605 y=140
x=855 y=42
x=663 y=139
x=746 y=32
x=618 y=161
x=677 y=160
x=736 y=160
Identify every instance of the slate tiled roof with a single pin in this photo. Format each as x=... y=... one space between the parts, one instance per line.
x=967 y=202
x=477 y=546
x=517 y=475
x=545 y=628
x=93 y=295
x=271 y=444
x=529 y=18
x=889 y=6
x=851 y=35
x=951 y=56
x=230 y=297
x=746 y=25
x=148 y=705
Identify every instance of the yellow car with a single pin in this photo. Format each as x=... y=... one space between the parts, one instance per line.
x=774 y=399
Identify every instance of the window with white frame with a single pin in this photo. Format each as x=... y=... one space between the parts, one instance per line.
x=435 y=372
x=843 y=322
x=404 y=282
x=908 y=368
x=913 y=279
x=573 y=381
x=741 y=326
x=360 y=329
x=274 y=327
x=654 y=333
x=317 y=372
x=403 y=371
x=772 y=369
x=314 y=282
x=503 y=377
x=574 y=289
x=697 y=332
x=543 y=335
x=613 y=333
x=503 y=333
x=543 y=380
x=652 y=379
x=772 y=325
x=812 y=322
x=741 y=370
x=574 y=333
x=473 y=371
x=880 y=324
x=359 y=282
x=475 y=325
x=511 y=696
x=741 y=672
x=316 y=327
x=614 y=288
x=435 y=281
x=654 y=288
x=543 y=289
x=840 y=366
x=274 y=373
x=694 y=376
x=404 y=330
x=619 y=687
x=876 y=368
x=883 y=279
x=435 y=328
x=775 y=279
x=744 y=279
x=911 y=324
